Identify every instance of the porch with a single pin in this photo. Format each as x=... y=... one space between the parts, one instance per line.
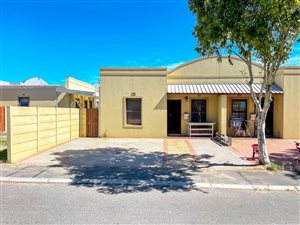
x=228 y=108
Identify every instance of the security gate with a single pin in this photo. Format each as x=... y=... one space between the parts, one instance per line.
x=92 y=122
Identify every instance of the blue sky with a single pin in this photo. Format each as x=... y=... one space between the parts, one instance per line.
x=55 y=39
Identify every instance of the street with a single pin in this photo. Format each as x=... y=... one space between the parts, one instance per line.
x=69 y=204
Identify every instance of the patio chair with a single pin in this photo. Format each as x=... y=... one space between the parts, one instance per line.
x=255 y=150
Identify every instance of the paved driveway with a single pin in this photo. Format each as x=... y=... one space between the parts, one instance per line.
x=138 y=153
x=156 y=160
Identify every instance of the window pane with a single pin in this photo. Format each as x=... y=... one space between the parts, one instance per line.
x=198 y=111
x=24 y=101
x=239 y=109
x=133 y=104
x=133 y=111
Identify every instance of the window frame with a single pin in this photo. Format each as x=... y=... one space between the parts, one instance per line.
x=26 y=98
x=126 y=124
x=246 y=110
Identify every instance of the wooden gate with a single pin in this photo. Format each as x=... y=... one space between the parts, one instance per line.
x=2 y=118
x=92 y=122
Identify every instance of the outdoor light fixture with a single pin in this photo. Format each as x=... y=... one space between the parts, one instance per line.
x=186 y=98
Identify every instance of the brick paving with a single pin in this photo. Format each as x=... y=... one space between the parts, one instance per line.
x=281 y=151
x=214 y=155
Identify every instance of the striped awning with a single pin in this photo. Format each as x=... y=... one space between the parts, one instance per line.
x=232 y=88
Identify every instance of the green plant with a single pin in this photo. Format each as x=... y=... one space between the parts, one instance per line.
x=254 y=30
x=273 y=167
x=3 y=155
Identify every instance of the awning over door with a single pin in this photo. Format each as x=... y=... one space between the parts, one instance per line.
x=232 y=88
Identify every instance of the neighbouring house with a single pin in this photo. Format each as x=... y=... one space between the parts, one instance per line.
x=195 y=98
x=37 y=92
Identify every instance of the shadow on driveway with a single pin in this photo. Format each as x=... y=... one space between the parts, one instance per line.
x=132 y=164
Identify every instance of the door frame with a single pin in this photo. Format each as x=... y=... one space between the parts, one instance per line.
x=179 y=124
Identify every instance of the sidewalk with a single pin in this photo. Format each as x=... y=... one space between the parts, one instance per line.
x=281 y=151
x=159 y=176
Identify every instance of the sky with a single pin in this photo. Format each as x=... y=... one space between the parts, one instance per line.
x=53 y=39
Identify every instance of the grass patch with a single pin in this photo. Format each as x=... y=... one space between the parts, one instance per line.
x=273 y=167
x=2 y=143
x=3 y=155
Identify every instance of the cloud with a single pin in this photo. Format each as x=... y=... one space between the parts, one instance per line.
x=173 y=65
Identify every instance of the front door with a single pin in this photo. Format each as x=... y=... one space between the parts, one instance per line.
x=174 y=116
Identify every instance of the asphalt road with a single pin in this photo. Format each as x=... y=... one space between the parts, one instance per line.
x=65 y=204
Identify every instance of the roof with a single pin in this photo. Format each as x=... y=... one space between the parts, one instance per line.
x=229 y=88
x=77 y=92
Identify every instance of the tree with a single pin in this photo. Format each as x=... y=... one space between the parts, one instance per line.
x=261 y=30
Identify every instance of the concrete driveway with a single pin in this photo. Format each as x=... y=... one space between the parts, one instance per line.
x=115 y=152
x=173 y=160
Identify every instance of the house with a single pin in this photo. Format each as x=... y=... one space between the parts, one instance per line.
x=37 y=92
x=156 y=103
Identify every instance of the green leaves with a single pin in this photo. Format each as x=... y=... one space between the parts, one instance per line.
x=264 y=29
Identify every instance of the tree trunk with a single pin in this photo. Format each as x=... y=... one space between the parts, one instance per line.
x=263 y=155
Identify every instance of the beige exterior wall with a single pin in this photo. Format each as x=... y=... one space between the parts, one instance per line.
x=116 y=84
x=148 y=84
x=35 y=129
x=42 y=97
x=209 y=70
x=278 y=116
x=82 y=122
x=74 y=84
x=288 y=78
x=69 y=101
x=39 y=96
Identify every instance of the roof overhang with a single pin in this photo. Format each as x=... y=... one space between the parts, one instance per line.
x=229 y=88
x=75 y=92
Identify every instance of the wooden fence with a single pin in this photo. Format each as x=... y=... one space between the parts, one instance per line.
x=34 y=129
x=2 y=118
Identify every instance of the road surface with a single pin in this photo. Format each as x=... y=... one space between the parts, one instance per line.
x=66 y=204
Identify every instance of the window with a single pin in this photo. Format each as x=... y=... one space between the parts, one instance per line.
x=23 y=101
x=91 y=104
x=85 y=104
x=239 y=109
x=133 y=111
x=198 y=111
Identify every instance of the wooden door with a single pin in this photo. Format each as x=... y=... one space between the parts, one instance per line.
x=174 y=116
x=92 y=122
x=2 y=119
